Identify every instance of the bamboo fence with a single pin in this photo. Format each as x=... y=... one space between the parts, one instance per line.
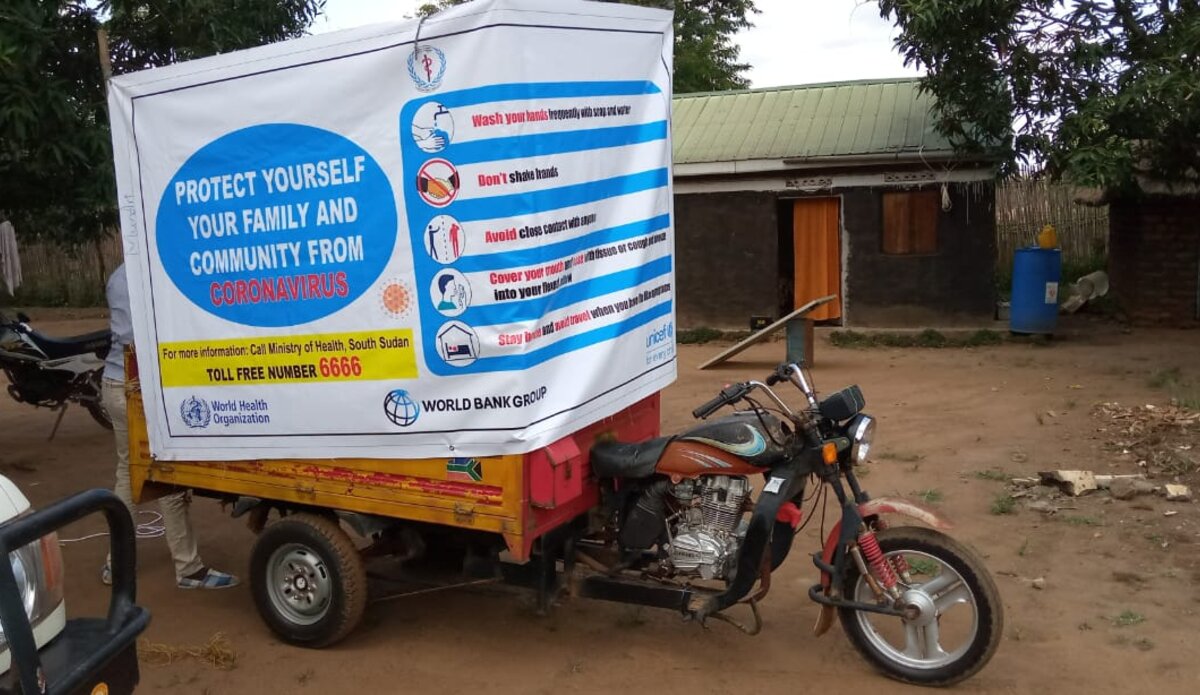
x=1023 y=206
x=64 y=275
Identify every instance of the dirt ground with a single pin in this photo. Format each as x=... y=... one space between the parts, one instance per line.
x=1117 y=611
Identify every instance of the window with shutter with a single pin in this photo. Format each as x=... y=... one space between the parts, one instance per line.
x=910 y=223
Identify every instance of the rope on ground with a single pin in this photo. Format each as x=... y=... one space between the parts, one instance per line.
x=152 y=528
x=216 y=652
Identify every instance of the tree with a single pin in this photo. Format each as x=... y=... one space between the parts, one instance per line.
x=1096 y=91
x=56 y=166
x=706 y=57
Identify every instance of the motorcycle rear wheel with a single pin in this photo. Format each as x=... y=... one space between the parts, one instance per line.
x=94 y=401
x=959 y=617
x=99 y=414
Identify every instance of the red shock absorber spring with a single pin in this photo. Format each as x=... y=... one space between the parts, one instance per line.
x=873 y=554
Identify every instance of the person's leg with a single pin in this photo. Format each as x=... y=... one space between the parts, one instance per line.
x=177 y=524
x=112 y=396
x=180 y=536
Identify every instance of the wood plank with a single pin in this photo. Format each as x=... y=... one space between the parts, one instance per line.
x=896 y=233
x=924 y=221
x=757 y=337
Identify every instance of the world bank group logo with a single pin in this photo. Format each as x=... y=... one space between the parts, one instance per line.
x=400 y=408
x=195 y=412
x=426 y=67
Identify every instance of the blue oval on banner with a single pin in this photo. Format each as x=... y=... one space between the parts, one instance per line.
x=276 y=225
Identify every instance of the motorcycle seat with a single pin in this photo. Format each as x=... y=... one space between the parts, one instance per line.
x=57 y=348
x=624 y=460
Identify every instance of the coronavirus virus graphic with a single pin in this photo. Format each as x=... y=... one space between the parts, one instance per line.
x=395 y=298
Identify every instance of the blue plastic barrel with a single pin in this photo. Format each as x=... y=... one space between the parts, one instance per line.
x=1034 y=306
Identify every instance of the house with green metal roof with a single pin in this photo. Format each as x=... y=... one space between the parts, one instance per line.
x=786 y=194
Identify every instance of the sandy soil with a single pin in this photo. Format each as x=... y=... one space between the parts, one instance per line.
x=945 y=416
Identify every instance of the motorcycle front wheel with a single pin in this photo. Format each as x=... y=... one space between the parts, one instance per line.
x=955 y=618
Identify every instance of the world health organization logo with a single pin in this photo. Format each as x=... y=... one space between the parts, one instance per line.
x=400 y=408
x=426 y=66
x=195 y=412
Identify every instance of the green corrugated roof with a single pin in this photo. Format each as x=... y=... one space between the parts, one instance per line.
x=868 y=117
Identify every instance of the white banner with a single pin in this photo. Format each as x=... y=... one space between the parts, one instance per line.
x=402 y=242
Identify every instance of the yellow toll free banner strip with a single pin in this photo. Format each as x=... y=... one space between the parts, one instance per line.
x=291 y=359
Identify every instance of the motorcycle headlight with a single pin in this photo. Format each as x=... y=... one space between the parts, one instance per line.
x=862 y=431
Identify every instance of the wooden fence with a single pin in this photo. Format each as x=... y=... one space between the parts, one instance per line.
x=1024 y=206
x=64 y=275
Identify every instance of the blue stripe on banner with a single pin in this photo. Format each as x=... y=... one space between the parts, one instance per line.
x=537 y=202
x=537 y=307
x=540 y=90
x=524 y=146
x=575 y=342
x=562 y=249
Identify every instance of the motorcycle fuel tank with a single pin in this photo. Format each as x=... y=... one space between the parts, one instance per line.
x=740 y=444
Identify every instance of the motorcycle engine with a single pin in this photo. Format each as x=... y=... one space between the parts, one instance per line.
x=706 y=536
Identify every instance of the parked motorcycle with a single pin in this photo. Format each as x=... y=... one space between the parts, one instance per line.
x=917 y=604
x=50 y=372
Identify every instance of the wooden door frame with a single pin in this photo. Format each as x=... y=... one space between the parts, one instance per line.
x=843 y=243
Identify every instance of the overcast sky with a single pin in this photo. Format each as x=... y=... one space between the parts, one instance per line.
x=793 y=42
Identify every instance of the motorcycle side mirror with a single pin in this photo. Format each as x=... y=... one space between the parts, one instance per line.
x=23 y=317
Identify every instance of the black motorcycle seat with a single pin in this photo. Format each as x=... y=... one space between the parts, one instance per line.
x=624 y=460
x=57 y=348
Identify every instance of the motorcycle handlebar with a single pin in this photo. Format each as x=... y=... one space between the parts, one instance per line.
x=735 y=392
x=728 y=395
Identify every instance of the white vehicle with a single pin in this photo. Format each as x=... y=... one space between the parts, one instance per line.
x=53 y=654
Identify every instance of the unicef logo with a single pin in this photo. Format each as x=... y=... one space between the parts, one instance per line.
x=195 y=412
x=400 y=408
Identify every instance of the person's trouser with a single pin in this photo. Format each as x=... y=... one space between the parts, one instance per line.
x=177 y=523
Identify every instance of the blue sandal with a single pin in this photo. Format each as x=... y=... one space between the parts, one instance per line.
x=208 y=578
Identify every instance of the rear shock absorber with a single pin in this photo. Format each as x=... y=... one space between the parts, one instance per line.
x=873 y=554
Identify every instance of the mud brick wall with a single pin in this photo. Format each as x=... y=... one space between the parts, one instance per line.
x=726 y=255
x=953 y=286
x=1154 y=259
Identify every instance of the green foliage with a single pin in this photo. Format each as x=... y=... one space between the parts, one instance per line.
x=1128 y=618
x=928 y=338
x=1074 y=268
x=1004 y=504
x=1184 y=392
x=993 y=475
x=930 y=496
x=1100 y=91
x=1164 y=377
x=698 y=336
x=706 y=57
x=922 y=566
x=56 y=175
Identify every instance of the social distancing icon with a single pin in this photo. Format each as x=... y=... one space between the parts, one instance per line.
x=445 y=239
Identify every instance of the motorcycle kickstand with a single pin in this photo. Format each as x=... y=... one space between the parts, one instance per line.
x=62 y=410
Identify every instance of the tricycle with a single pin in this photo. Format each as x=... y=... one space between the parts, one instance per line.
x=695 y=522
